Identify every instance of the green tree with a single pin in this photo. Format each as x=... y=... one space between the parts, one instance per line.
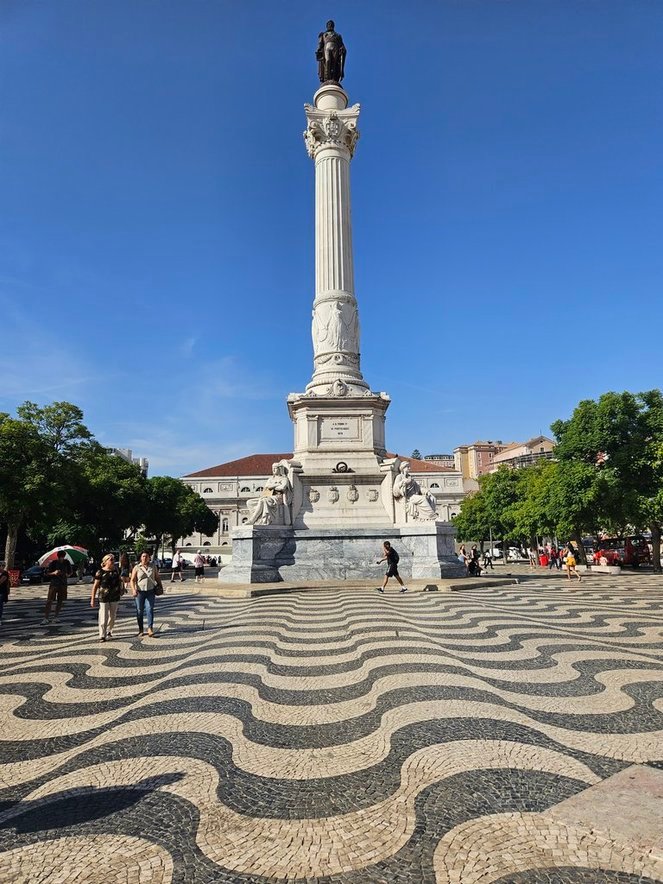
x=532 y=514
x=416 y=454
x=491 y=508
x=647 y=468
x=502 y=490
x=174 y=510
x=59 y=425
x=472 y=522
x=106 y=498
x=24 y=479
x=141 y=544
x=608 y=474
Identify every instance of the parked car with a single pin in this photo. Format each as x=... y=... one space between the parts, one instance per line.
x=627 y=551
x=33 y=574
x=513 y=554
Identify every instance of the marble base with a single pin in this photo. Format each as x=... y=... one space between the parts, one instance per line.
x=270 y=554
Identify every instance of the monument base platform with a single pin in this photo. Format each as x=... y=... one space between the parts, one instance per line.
x=273 y=553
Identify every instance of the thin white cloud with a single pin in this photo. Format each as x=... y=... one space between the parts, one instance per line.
x=186 y=346
x=37 y=360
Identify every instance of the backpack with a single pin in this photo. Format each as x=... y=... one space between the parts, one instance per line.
x=397 y=558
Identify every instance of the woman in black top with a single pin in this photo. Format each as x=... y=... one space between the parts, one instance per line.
x=108 y=585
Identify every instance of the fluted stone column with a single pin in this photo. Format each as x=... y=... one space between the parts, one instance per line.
x=330 y=136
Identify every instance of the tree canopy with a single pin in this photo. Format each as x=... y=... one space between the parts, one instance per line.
x=174 y=510
x=607 y=476
x=57 y=481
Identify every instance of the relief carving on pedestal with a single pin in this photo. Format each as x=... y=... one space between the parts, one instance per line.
x=353 y=494
x=373 y=494
x=335 y=327
x=332 y=494
x=313 y=495
x=338 y=389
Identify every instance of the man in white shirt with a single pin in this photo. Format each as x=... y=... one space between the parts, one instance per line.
x=199 y=565
x=176 y=568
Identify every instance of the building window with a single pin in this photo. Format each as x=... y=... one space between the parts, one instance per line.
x=225 y=543
x=224 y=526
x=244 y=489
x=187 y=544
x=244 y=521
x=207 y=543
x=259 y=488
x=434 y=485
x=208 y=491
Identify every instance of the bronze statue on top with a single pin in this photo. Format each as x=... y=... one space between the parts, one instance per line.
x=330 y=54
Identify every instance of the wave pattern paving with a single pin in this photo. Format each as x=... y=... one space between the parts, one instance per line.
x=329 y=736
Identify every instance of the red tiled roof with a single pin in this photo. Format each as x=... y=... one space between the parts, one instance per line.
x=423 y=466
x=253 y=465
x=261 y=465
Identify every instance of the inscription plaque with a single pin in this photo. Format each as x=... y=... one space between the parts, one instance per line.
x=338 y=428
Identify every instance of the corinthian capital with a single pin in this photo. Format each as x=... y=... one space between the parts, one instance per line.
x=336 y=128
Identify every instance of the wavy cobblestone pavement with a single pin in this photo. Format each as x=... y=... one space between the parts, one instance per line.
x=338 y=736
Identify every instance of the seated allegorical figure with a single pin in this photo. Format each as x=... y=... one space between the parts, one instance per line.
x=273 y=506
x=420 y=507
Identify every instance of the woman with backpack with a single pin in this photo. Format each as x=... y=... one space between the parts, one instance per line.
x=392 y=558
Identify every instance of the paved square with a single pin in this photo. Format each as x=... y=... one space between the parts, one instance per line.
x=337 y=736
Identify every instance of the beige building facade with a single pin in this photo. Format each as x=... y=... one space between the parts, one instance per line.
x=477 y=458
x=523 y=454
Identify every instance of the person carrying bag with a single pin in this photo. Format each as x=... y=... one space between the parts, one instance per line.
x=145 y=586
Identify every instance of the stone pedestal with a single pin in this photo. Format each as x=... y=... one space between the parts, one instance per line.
x=270 y=554
x=338 y=474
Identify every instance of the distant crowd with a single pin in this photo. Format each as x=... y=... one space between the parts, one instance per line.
x=548 y=556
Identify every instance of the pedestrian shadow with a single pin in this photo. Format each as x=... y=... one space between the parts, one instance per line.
x=77 y=807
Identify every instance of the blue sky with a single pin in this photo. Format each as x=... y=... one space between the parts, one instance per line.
x=156 y=221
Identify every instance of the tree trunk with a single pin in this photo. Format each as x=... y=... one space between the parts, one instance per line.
x=10 y=545
x=577 y=536
x=656 y=547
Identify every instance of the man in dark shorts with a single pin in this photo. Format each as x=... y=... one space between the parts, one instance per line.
x=58 y=572
x=391 y=557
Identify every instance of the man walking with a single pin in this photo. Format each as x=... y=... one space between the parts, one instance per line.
x=391 y=557
x=199 y=565
x=176 y=568
x=59 y=571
